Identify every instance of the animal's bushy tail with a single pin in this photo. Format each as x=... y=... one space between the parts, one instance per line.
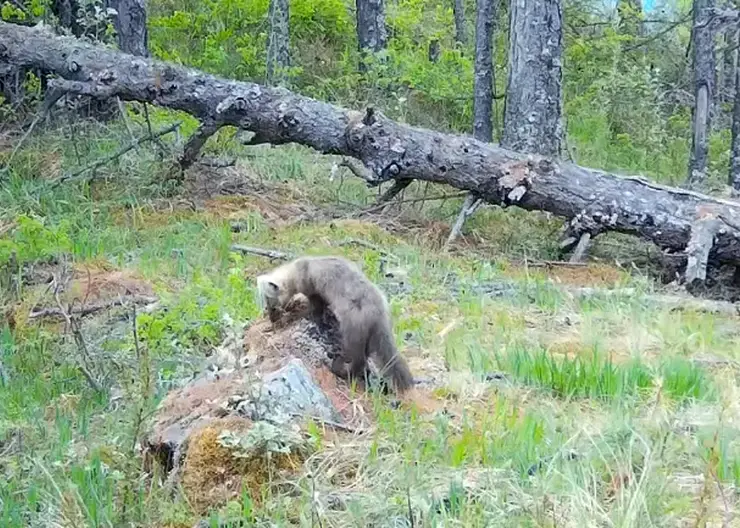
x=390 y=363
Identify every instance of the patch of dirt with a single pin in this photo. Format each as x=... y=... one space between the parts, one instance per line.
x=268 y=347
x=186 y=408
x=619 y=345
x=597 y=275
x=428 y=233
x=228 y=192
x=99 y=283
x=87 y=289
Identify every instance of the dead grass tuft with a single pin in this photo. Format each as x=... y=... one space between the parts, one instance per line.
x=98 y=282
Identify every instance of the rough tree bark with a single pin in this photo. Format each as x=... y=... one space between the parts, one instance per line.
x=278 y=42
x=372 y=35
x=532 y=110
x=593 y=201
x=130 y=24
x=458 y=11
x=434 y=51
x=703 y=64
x=483 y=84
x=730 y=60
x=734 y=176
x=482 y=99
x=66 y=12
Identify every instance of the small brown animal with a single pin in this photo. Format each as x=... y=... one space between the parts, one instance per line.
x=359 y=306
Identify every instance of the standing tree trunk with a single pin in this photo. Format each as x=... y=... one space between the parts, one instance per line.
x=483 y=87
x=730 y=60
x=372 y=35
x=533 y=106
x=482 y=99
x=66 y=12
x=130 y=24
x=734 y=179
x=458 y=10
x=703 y=61
x=278 y=41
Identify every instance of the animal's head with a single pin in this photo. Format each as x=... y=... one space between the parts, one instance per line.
x=269 y=292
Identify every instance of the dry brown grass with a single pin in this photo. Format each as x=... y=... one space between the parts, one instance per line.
x=212 y=475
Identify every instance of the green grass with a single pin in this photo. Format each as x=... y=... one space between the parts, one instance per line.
x=599 y=378
x=612 y=379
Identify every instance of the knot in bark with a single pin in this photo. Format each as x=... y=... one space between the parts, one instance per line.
x=391 y=171
x=288 y=120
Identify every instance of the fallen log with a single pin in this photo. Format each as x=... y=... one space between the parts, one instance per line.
x=593 y=201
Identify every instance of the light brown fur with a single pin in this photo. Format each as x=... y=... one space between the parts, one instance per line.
x=358 y=305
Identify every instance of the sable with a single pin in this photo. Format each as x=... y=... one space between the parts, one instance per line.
x=334 y=284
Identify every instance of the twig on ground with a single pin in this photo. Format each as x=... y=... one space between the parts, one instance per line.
x=330 y=423
x=152 y=137
x=74 y=328
x=88 y=309
x=217 y=163
x=102 y=161
x=554 y=264
x=269 y=253
x=366 y=244
x=393 y=191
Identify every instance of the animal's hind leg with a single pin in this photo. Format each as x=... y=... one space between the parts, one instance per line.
x=351 y=363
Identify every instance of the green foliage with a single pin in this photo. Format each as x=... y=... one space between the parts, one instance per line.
x=32 y=240
x=620 y=92
x=624 y=110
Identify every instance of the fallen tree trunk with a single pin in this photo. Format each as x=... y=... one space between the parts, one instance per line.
x=592 y=200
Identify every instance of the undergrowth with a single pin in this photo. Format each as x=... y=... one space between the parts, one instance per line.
x=591 y=410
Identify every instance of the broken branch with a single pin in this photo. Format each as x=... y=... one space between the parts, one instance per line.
x=102 y=161
x=269 y=253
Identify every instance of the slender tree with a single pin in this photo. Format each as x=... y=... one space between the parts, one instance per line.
x=66 y=12
x=278 y=42
x=372 y=35
x=704 y=72
x=483 y=83
x=458 y=11
x=482 y=97
x=734 y=179
x=130 y=24
x=730 y=64
x=533 y=107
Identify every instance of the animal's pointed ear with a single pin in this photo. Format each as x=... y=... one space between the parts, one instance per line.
x=272 y=288
x=267 y=288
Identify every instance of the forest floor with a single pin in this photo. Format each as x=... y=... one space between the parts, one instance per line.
x=551 y=408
